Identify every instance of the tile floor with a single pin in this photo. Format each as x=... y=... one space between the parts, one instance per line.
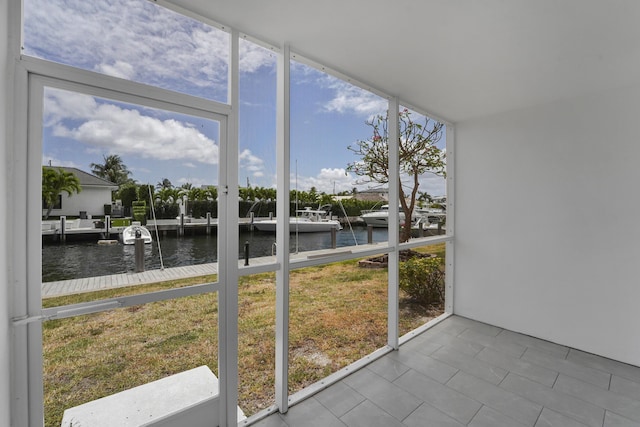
x=466 y=373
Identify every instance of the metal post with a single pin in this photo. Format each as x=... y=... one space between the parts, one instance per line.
x=208 y=223
x=139 y=252
x=333 y=238
x=369 y=234
x=246 y=253
x=107 y=225
x=181 y=225
x=63 y=225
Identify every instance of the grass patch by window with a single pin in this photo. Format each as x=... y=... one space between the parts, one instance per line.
x=338 y=316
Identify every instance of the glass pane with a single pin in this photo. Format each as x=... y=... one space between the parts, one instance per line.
x=256 y=342
x=136 y=40
x=118 y=169
x=338 y=315
x=422 y=197
x=422 y=287
x=92 y=356
x=257 y=170
x=328 y=119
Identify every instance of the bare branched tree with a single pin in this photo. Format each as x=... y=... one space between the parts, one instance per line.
x=417 y=154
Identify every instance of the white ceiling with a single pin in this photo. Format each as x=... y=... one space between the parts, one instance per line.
x=458 y=59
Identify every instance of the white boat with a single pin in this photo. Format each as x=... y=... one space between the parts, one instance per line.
x=306 y=221
x=431 y=215
x=129 y=234
x=380 y=217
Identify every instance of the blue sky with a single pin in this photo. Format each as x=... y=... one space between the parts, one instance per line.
x=140 y=41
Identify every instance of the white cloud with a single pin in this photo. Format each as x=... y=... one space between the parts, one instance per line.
x=253 y=57
x=133 y=39
x=195 y=182
x=62 y=105
x=325 y=181
x=103 y=126
x=346 y=97
x=50 y=160
x=350 y=98
x=120 y=69
x=251 y=163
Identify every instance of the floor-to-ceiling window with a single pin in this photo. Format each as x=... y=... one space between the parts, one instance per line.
x=148 y=115
x=140 y=96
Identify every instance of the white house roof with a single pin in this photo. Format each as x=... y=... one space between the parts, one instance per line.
x=87 y=179
x=458 y=59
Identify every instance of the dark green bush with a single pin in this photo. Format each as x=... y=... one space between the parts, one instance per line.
x=199 y=208
x=423 y=280
x=167 y=210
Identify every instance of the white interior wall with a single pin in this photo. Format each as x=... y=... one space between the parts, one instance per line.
x=4 y=218
x=547 y=222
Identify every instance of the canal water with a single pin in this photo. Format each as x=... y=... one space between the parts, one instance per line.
x=76 y=259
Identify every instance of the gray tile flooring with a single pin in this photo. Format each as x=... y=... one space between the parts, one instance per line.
x=466 y=373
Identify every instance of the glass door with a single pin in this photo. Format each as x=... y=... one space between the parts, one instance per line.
x=126 y=270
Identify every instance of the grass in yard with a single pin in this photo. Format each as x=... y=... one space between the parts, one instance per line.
x=338 y=315
x=88 y=357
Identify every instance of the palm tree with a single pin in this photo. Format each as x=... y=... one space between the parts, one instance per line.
x=165 y=183
x=113 y=170
x=167 y=195
x=54 y=182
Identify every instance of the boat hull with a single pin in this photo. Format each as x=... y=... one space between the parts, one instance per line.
x=128 y=236
x=299 y=226
x=380 y=219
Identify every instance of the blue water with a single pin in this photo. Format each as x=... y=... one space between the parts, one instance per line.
x=72 y=260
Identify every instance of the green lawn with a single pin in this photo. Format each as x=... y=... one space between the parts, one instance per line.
x=338 y=314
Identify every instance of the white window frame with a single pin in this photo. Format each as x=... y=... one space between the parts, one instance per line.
x=26 y=310
x=28 y=314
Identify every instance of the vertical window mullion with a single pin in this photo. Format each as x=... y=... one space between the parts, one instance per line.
x=228 y=250
x=394 y=225
x=34 y=254
x=450 y=252
x=282 y=228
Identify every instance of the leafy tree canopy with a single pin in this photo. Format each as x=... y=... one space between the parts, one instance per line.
x=417 y=155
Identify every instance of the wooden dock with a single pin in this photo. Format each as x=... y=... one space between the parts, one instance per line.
x=98 y=283
x=61 y=229
x=91 y=284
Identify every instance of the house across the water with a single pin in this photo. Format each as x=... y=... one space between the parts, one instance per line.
x=95 y=194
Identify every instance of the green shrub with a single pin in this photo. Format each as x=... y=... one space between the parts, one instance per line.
x=139 y=211
x=167 y=210
x=423 y=280
x=199 y=208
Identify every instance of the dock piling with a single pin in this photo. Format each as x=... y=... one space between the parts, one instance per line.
x=63 y=224
x=139 y=252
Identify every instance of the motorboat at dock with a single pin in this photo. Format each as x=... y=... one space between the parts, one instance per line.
x=135 y=230
x=380 y=217
x=306 y=221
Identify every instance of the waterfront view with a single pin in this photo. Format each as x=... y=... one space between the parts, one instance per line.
x=78 y=259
